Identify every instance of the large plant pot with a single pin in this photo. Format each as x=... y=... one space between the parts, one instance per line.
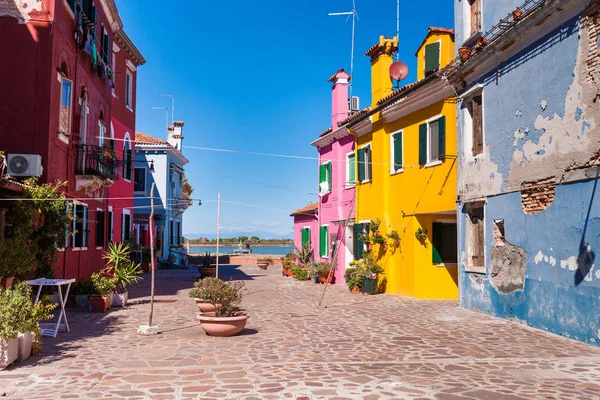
x=110 y=300
x=369 y=285
x=99 y=304
x=222 y=326
x=263 y=265
x=287 y=271
x=208 y=272
x=25 y=341
x=7 y=282
x=355 y=290
x=9 y=351
x=205 y=307
x=323 y=278
x=120 y=299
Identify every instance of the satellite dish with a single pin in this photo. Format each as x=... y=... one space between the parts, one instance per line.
x=398 y=71
x=19 y=164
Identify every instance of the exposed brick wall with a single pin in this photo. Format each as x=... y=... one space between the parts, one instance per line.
x=592 y=21
x=537 y=196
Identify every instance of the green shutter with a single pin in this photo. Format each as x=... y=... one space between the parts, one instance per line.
x=329 y=176
x=398 y=161
x=368 y=165
x=436 y=239
x=432 y=57
x=358 y=245
x=323 y=241
x=361 y=165
x=423 y=144
x=322 y=175
x=442 y=138
x=305 y=236
x=351 y=168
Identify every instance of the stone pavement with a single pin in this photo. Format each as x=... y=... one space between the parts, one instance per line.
x=371 y=347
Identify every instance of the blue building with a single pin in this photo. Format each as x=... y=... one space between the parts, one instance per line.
x=161 y=162
x=528 y=79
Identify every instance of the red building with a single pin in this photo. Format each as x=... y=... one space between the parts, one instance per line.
x=57 y=81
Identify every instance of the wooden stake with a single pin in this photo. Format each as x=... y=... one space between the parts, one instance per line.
x=152 y=252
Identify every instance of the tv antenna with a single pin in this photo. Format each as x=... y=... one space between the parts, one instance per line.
x=398 y=28
x=354 y=15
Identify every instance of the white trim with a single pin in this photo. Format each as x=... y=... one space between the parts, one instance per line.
x=68 y=7
x=127 y=141
x=349 y=184
x=84 y=237
x=472 y=268
x=472 y=92
x=468 y=33
x=433 y=163
x=130 y=65
x=124 y=212
x=63 y=78
x=393 y=153
x=129 y=90
x=115 y=48
x=466 y=110
x=367 y=180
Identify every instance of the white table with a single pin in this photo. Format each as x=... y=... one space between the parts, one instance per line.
x=51 y=329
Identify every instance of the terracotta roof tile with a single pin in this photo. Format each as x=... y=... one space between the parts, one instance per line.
x=325 y=132
x=339 y=71
x=382 y=44
x=309 y=209
x=354 y=116
x=431 y=30
x=405 y=88
x=142 y=138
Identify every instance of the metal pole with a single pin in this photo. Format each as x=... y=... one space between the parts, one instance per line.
x=218 y=230
x=352 y=57
x=172 y=106
x=151 y=222
x=398 y=29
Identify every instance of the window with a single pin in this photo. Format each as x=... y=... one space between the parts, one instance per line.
x=364 y=164
x=324 y=241
x=443 y=243
x=111 y=222
x=179 y=233
x=396 y=153
x=128 y=89
x=106 y=49
x=475 y=16
x=67 y=232
x=126 y=233
x=359 y=247
x=474 y=122
x=80 y=226
x=139 y=180
x=305 y=236
x=84 y=113
x=101 y=133
x=475 y=231
x=350 y=169
x=114 y=65
x=171 y=233
x=127 y=159
x=100 y=231
x=64 y=125
x=71 y=4
x=432 y=58
x=325 y=178
x=432 y=142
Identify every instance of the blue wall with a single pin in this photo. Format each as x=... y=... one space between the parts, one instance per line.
x=556 y=297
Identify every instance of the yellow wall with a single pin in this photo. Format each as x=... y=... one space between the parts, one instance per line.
x=413 y=198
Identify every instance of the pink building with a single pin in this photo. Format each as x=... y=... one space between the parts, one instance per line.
x=337 y=181
x=306 y=226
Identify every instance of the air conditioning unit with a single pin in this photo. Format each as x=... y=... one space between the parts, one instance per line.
x=354 y=104
x=24 y=165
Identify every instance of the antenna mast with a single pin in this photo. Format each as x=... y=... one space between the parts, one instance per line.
x=398 y=28
x=354 y=15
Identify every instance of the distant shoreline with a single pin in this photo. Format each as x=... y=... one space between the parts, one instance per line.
x=235 y=246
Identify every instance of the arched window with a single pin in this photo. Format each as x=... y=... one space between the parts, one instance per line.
x=112 y=137
x=101 y=130
x=127 y=161
x=84 y=114
x=66 y=96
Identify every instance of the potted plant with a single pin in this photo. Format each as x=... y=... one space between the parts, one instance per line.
x=301 y=273
x=146 y=255
x=323 y=272
x=103 y=288
x=421 y=234
x=464 y=53
x=206 y=265
x=482 y=42
x=16 y=259
x=304 y=255
x=380 y=240
x=394 y=237
x=227 y=320
x=371 y=273
x=81 y=291
x=353 y=276
x=263 y=263
x=203 y=305
x=517 y=13
x=122 y=269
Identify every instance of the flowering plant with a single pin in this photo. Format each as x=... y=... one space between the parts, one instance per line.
x=19 y=314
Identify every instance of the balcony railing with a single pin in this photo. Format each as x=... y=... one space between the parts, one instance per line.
x=96 y=161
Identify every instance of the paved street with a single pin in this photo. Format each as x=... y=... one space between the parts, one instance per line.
x=358 y=347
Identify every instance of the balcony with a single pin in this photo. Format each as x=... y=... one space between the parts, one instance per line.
x=96 y=167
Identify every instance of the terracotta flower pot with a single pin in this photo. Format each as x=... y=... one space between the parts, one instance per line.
x=517 y=14
x=25 y=341
x=355 y=290
x=99 y=304
x=369 y=246
x=464 y=53
x=9 y=351
x=482 y=42
x=7 y=282
x=205 y=307
x=287 y=271
x=323 y=278
x=263 y=265
x=223 y=326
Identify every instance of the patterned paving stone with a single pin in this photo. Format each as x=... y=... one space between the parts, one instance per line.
x=353 y=347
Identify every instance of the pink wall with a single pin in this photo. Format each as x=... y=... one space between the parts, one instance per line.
x=304 y=220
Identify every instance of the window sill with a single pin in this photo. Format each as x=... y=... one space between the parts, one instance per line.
x=79 y=248
x=127 y=180
x=475 y=270
x=350 y=186
x=325 y=193
x=114 y=95
x=69 y=11
x=365 y=181
x=60 y=250
x=127 y=106
x=396 y=172
x=99 y=247
x=443 y=264
x=433 y=164
x=63 y=138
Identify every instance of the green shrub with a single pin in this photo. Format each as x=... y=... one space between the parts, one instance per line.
x=226 y=294
x=301 y=273
x=103 y=285
x=19 y=314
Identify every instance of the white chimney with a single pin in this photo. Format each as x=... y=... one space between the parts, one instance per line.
x=175 y=135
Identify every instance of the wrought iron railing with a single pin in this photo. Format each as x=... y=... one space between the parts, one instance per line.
x=97 y=161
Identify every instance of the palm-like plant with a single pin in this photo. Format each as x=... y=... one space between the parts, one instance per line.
x=304 y=255
x=120 y=266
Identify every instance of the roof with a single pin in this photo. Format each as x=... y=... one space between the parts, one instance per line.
x=339 y=71
x=354 y=116
x=142 y=138
x=405 y=88
x=432 y=30
x=325 y=132
x=309 y=209
x=130 y=48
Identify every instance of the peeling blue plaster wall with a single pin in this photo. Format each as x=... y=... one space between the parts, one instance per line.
x=552 y=299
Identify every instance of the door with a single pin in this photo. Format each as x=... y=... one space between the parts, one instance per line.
x=349 y=247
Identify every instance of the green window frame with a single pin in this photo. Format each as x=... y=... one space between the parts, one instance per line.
x=351 y=169
x=397 y=152
x=365 y=167
x=432 y=141
x=305 y=236
x=324 y=241
x=432 y=58
x=325 y=171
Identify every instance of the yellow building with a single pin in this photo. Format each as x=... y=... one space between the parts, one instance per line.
x=407 y=168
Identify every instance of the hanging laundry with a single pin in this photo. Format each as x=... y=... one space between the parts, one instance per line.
x=88 y=43
x=94 y=54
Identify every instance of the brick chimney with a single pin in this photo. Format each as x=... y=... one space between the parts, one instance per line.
x=339 y=97
x=175 y=135
x=382 y=55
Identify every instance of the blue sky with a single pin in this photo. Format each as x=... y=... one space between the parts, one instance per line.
x=251 y=76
